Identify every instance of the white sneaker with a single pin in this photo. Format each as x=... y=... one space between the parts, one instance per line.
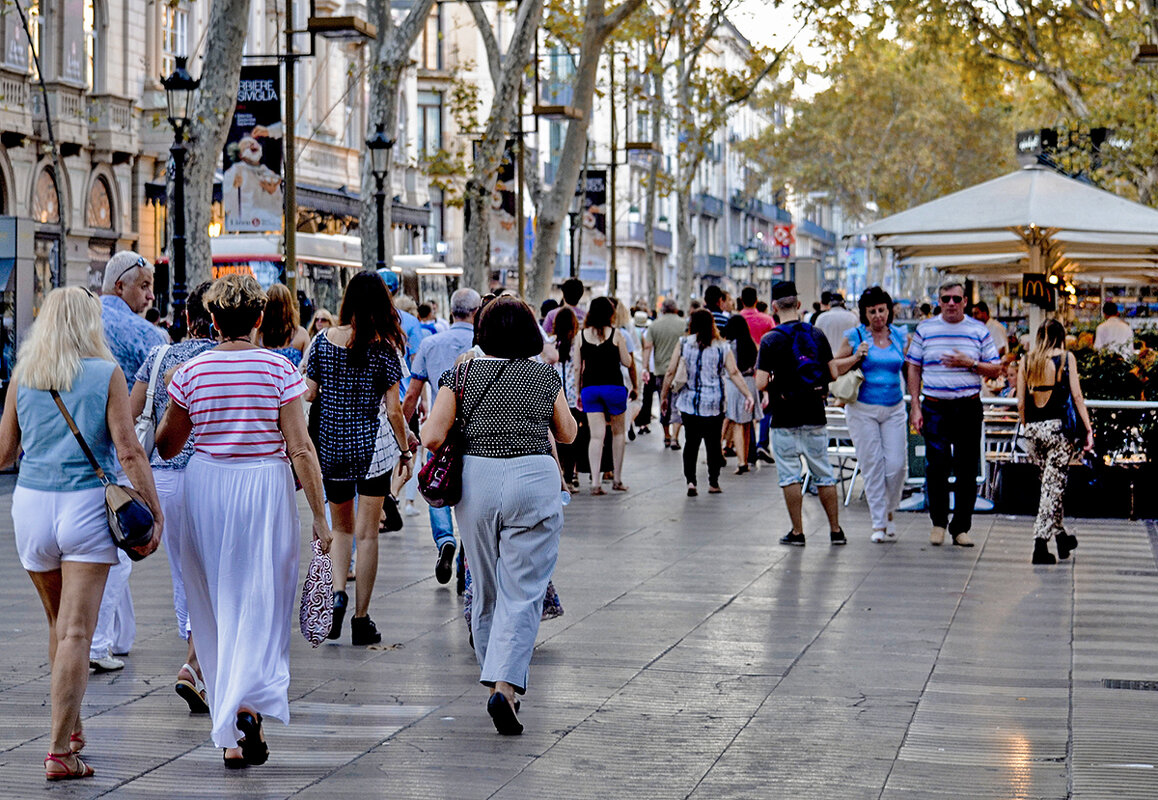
x=937 y=537
x=106 y=664
x=878 y=536
x=891 y=529
x=410 y=510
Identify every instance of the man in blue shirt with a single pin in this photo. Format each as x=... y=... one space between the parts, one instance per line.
x=435 y=356
x=126 y=292
x=410 y=324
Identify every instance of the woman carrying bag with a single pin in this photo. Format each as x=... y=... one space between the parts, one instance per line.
x=876 y=415
x=1052 y=412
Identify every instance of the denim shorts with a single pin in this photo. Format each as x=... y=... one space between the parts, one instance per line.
x=789 y=445
x=604 y=399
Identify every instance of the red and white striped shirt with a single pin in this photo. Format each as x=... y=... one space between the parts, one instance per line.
x=234 y=399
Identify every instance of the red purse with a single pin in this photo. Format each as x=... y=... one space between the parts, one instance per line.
x=440 y=479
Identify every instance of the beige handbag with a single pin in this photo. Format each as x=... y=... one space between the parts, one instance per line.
x=681 y=377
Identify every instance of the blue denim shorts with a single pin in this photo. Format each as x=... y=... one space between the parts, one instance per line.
x=604 y=399
x=790 y=445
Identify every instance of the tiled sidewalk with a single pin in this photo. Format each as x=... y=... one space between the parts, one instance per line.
x=697 y=658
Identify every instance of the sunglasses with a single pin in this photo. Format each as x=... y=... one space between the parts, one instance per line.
x=946 y=299
x=140 y=262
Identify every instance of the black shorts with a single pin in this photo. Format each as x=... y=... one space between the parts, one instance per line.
x=339 y=492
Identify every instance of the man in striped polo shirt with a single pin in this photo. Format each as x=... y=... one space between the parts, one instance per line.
x=949 y=356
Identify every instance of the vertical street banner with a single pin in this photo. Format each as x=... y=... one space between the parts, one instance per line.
x=593 y=253
x=15 y=43
x=74 y=55
x=252 y=192
x=504 y=227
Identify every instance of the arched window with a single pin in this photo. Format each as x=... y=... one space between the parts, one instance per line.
x=100 y=206
x=44 y=206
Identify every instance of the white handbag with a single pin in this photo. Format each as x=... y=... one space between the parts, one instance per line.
x=145 y=425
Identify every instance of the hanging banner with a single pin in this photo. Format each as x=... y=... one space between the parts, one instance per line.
x=593 y=255
x=504 y=227
x=74 y=58
x=15 y=42
x=251 y=189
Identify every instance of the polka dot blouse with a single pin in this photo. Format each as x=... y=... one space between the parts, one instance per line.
x=513 y=417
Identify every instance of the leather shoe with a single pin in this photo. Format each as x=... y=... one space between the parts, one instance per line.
x=937 y=537
x=506 y=721
x=962 y=539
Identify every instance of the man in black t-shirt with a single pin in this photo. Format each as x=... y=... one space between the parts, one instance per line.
x=794 y=366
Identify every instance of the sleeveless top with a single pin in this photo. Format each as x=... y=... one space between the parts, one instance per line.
x=53 y=460
x=600 y=363
x=292 y=354
x=882 y=366
x=1053 y=407
x=704 y=394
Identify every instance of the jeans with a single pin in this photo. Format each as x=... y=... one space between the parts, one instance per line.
x=707 y=430
x=441 y=522
x=878 y=432
x=765 y=425
x=952 y=430
x=649 y=391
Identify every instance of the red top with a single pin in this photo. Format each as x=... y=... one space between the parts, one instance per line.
x=234 y=399
x=758 y=323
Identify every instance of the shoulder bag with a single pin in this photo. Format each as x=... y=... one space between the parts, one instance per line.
x=440 y=479
x=146 y=424
x=130 y=520
x=1072 y=426
x=846 y=388
x=681 y=374
x=316 y=615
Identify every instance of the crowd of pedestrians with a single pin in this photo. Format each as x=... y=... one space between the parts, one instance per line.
x=251 y=407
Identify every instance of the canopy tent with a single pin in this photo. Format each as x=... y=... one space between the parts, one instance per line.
x=1032 y=220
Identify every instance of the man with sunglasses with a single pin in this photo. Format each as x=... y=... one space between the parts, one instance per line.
x=949 y=356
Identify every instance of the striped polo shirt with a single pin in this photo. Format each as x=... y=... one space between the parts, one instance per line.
x=234 y=399
x=934 y=339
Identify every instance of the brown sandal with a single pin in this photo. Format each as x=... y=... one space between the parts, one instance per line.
x=82 y=770
x=619 y=486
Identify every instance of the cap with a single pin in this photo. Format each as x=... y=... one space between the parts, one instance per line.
x=784 y=289
x=640 y=318
x=390 y=277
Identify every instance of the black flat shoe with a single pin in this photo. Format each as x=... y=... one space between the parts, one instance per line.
x=506 y=722
x=1066 y=544
x=341 y=600
x=233 y=763
x=253 y=749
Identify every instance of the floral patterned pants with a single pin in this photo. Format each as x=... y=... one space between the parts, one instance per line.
x=1051 y=451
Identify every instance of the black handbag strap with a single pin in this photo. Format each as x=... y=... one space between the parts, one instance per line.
x=79 y=438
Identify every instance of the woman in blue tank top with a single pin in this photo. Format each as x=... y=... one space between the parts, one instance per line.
x=58 y=509
x=876 y=420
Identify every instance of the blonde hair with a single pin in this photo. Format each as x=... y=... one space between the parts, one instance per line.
x=235 y=301
x=321 y=313
x=1039 y=364
x=67 y=330
x=622 y=315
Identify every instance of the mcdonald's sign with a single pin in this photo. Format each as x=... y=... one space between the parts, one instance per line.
x=1036 y=289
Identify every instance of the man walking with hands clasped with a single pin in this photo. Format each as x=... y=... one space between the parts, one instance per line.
x=949 y=356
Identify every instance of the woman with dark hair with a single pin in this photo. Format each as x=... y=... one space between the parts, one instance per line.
x=599 y=352
x=352 y=374
x=242 y=405
x=572 y=456
x=1048 y=375
x=876 y=419
x=281 y=330
x=511 y=512
x=169 y=476
x=708 y=360
x=737 y=332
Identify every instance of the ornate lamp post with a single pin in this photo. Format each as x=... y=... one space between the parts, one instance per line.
x=380 y=147
x=179 y=90
x=752 y=255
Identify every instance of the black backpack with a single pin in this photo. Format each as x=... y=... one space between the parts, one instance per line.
x=812 y=377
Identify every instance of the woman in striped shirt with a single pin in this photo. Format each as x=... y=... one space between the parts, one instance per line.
x=240 y=562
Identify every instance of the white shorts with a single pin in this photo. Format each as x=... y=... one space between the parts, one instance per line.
x=52 y=527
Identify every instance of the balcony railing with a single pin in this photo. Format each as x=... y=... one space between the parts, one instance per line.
x=768 y=211
x=708 y=205
x=69 y=114
x=14 y=110
x=707 y=264
x=632 y=234
x=809 y=228
x=111 y=123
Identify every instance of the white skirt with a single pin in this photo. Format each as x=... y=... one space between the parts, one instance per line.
x=240 y=568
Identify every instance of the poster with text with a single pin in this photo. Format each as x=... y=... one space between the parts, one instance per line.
x=251 y=189
x=593 y=255
x=504 y=227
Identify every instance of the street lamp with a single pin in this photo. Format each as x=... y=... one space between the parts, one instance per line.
x=751 y=254
x=179 y=90
x=380 y=146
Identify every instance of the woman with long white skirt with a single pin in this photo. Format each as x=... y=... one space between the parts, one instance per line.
x=240 y=562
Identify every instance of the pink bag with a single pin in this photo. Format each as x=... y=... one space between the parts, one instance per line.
x=317 y=612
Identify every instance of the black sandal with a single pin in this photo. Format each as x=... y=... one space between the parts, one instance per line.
x=253 y=749
x=503 y=715
x=233 y=763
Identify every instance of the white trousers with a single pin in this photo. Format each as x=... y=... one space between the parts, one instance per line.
x=170 y=485
x=878 y=433
x=116 y=627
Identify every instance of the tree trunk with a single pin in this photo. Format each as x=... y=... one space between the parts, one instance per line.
x=688 y=160
x=228 y=25
x=489 y=151
x=596 y=28
x=686 y=260
x=652 y=197
x=390 y=56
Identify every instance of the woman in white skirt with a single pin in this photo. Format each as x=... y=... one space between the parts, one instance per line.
x=511 y=512
x=240 y=562
x=58 y=506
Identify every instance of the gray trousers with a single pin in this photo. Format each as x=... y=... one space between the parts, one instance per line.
x=509 y=518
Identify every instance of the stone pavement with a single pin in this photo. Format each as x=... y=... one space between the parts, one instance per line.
x=697 y=658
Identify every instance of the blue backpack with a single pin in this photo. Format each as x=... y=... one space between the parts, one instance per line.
x=811 y=375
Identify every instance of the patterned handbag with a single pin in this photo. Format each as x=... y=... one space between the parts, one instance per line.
x=317 y=611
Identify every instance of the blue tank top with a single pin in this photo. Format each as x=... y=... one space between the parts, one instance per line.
x=53 y=460
x=881 y=367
